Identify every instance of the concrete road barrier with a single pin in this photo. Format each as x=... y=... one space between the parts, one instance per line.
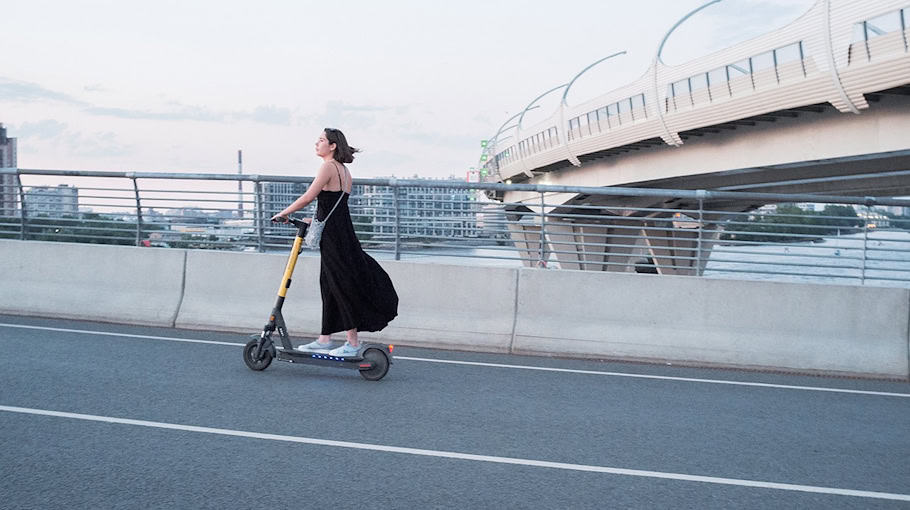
x=232 y=291
x=439 y=306
x=93 y=282
x=831 y=328
x=450 y=306
x=804 y=327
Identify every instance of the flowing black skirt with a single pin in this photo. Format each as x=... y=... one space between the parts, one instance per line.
x=356 y=292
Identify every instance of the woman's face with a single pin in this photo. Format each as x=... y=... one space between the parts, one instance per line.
x=323 y=147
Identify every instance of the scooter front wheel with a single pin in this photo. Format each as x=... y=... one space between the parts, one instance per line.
x=379 y=364
x=249 y=353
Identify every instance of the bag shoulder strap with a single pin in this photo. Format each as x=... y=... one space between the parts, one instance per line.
x=340 y=183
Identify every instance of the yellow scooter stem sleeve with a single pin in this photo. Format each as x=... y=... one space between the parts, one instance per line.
x=289 y=270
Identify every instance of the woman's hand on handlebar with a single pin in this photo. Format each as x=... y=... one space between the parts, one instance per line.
x=279 y=218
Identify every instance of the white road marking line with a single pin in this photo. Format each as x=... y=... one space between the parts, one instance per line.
x=502 y=365
x=465 y=456
x=662 y=377
x=106 y=333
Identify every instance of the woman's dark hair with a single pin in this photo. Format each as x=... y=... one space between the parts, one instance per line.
x=344 y=153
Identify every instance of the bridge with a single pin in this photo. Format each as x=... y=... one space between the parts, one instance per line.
x=819 y=106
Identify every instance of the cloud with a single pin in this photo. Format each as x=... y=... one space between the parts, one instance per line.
x=42 y=129
x=338 y=113
x=268 y=115
x=24 y=92
x=95 y=87
x=54 y=136
x=726 y=24
x=394 y=162
x=97 y=144
x=177 y=112
x=435 y=138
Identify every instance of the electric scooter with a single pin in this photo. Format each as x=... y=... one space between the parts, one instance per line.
x=372 y=360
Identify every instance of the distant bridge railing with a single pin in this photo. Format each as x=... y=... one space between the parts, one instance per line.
x=787 y=237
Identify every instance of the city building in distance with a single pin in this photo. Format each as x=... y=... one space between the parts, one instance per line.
x=8 y=199
x=52 y=200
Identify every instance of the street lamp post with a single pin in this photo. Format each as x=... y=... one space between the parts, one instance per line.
x=239 y=184
x=562 y=106
x=532 y=105
x=491 y=144
x=670 y=138
x=522 y=116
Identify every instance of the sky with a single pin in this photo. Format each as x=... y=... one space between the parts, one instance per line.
x=172 y=86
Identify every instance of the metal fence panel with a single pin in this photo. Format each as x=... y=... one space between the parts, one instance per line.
x=811 y=238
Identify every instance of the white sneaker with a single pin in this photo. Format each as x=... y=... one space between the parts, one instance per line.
x=314 y=346
x=345 y=351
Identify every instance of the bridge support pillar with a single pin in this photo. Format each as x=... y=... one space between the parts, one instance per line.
x=675 y=247
x=527 y=241
x=618 y=235
x=567 y=244
x=593 y=247
x=673 y=251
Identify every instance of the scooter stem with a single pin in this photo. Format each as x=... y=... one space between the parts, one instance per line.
x=289 y=270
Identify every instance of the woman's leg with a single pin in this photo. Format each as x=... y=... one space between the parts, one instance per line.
x=325 y=339
x=352 y=337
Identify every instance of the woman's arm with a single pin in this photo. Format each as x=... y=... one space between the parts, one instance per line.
x=322 y=178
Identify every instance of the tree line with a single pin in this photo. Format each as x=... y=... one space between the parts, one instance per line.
x=792 y=224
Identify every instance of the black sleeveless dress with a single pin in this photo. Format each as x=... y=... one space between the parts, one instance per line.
x=356 y=291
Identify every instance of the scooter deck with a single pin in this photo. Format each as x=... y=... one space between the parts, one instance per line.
x=320 y=357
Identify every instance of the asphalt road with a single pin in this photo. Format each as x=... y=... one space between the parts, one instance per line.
x=111 y=416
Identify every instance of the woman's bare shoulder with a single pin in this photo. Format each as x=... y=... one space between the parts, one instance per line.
x=327 y=166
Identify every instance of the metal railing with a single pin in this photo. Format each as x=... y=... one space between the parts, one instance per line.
x=859 y=240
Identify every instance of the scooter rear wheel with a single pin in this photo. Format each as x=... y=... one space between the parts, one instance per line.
x=380 y=363
x=249 y=351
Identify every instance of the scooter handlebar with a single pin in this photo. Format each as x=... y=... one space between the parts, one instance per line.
x=292 y=221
